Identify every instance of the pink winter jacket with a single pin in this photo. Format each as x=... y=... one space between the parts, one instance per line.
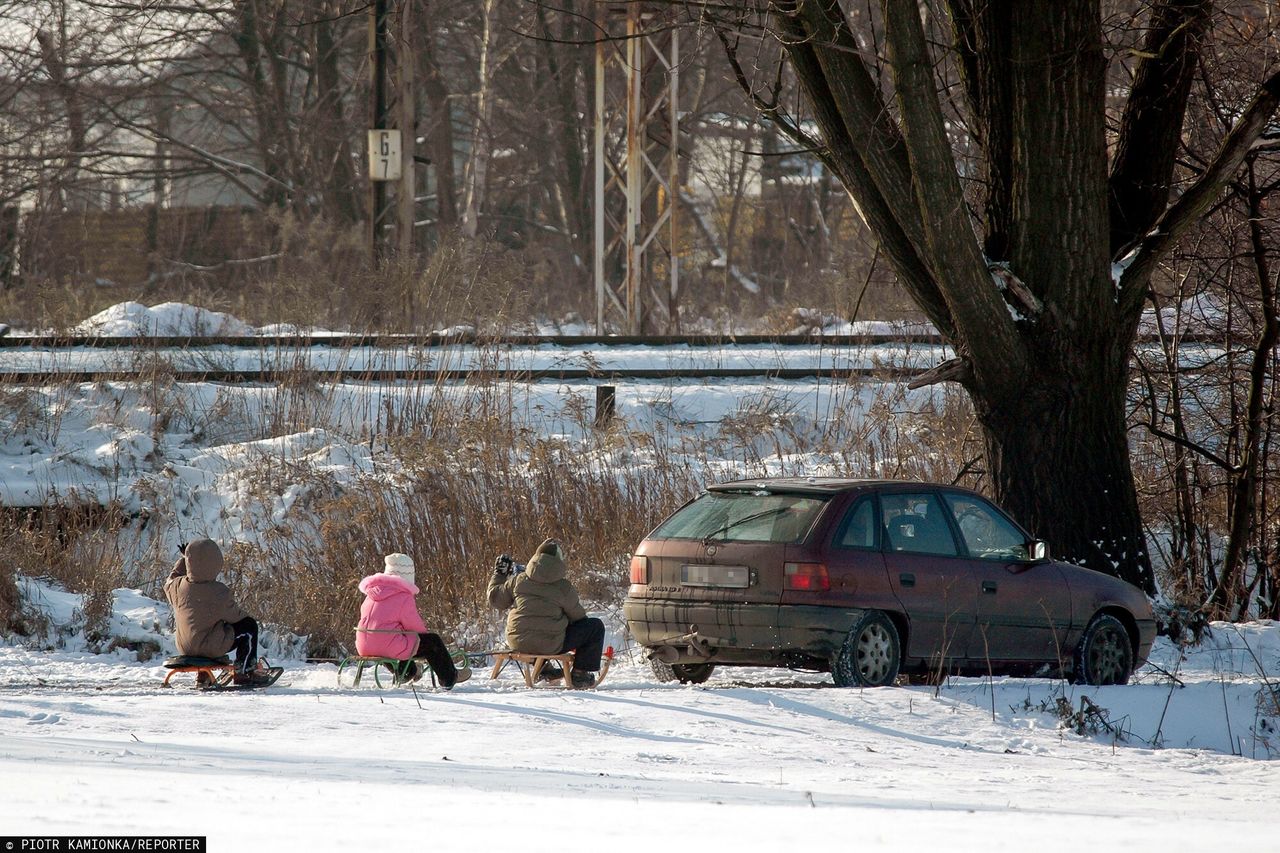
x=388 y=607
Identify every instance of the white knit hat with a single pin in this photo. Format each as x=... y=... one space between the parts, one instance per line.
x=400 y=565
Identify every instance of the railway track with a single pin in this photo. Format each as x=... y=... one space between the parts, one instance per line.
x=477 y=376
x=462 y=359
x=467 y=358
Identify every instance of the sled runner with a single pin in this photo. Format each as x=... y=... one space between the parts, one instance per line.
x=394 y=666
x=531 y=666
x=217 y=673
x=360 y=663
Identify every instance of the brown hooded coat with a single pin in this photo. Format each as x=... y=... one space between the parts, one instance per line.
x=542 y=603
x=203 y=607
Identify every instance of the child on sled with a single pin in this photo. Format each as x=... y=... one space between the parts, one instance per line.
x=390 y=626
x=207 y=621
x=546 y=616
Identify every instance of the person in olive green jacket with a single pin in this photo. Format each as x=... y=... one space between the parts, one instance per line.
x=546 y=616
x=206 y=618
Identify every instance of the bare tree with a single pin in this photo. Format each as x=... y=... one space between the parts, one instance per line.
x=1040 y=283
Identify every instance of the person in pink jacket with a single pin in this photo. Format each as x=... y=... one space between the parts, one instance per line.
x=390 y=626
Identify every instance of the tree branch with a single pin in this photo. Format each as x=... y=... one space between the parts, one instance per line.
x=984 y=324
x=869 y=162
x=1151 y=128
x=952 y=370
x=1198 y=449
x=1182 y=214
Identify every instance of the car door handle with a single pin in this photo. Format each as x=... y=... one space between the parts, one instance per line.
x=989 y=587
x=907 y=579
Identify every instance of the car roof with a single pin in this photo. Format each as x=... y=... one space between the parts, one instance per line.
x=814 y=485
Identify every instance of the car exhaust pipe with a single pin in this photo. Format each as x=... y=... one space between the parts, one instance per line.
x=694 y=646
x=698 y=645
x=666 y=654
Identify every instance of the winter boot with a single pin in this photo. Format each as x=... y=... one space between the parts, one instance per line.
x=583 y=680
x=550 y=672
x=262 y=675
x=409 y=672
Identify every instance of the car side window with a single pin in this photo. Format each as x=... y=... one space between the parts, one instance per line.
x=916 y=523
x=858 y=528
x=987 y=534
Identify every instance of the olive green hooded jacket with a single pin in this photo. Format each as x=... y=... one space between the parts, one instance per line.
x=541 y=600
x=203 y=607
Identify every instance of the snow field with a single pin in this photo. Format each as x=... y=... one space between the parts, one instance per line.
x=491 y=766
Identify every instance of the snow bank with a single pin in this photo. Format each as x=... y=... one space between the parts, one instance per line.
x=137 y=627
x=168 y=319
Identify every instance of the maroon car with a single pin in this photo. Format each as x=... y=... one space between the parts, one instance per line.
x=867 y=579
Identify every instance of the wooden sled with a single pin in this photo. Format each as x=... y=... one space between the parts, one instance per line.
x=210 y=672
x=530 y=666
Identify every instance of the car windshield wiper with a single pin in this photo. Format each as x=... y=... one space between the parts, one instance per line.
x=755 y=516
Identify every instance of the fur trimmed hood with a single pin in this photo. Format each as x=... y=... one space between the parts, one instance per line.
x=383 y=586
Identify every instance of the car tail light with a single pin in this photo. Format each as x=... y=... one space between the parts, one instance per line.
x=639 y=569
x=807 y=576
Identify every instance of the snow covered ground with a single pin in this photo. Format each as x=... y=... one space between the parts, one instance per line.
x=753 y=760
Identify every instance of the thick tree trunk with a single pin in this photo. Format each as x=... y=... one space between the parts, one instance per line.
x=333 y=153
x=439 y=130
x=1059 y=461
x=268 y=132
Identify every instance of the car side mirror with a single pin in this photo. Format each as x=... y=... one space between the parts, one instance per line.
x=1038 y=549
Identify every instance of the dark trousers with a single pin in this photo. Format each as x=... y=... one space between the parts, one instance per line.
x=432 y=649
x=585 y=638
x=246 y=643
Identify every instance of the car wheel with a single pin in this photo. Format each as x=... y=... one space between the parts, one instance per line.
x=1105 y=655
x=664 y=672
x=692 y=673
x=871 y=654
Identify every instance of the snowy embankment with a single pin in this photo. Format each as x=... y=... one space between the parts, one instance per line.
x=757 y=758
x=180 y=450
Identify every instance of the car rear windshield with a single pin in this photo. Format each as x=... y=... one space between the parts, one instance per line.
x=743 y=517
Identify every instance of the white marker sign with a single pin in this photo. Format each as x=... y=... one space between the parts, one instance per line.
x=384 y=155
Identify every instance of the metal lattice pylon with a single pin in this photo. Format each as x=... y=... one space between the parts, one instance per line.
x=636 y=166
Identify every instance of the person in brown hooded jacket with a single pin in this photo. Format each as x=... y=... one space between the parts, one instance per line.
x=207 y=620
x=546 y=616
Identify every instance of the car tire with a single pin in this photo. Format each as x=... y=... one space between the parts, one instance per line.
x=871 y=655
x=1104 y=655
x=692 y=673
x=664 y=672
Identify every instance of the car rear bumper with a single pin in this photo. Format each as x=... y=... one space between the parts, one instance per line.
x=736 y=632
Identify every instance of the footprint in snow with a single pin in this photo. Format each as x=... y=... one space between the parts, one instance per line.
x=44 y=719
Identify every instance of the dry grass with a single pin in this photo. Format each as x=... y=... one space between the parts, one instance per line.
x=321 y=280
x=317 y=275
x=86 y=548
